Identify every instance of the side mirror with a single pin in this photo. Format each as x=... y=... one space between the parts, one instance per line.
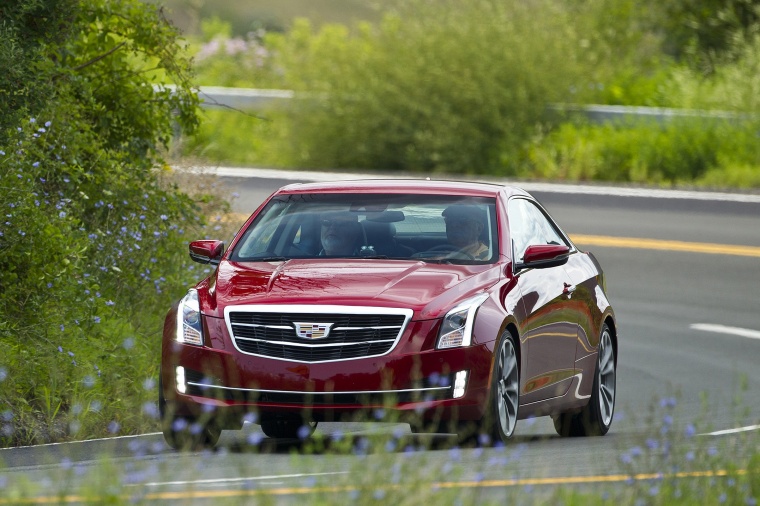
x=207 y=251
x=541 y=256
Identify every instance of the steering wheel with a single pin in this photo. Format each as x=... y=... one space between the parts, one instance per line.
x=453 y=251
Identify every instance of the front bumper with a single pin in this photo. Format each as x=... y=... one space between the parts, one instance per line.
x=413 y=378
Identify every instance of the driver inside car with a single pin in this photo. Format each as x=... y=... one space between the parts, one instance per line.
x=464 y=225
x=340 y=234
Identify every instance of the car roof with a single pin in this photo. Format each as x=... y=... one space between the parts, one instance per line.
x=417 y=186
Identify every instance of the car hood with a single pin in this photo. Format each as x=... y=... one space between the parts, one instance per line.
x=428 y=289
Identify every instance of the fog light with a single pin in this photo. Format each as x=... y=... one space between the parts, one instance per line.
x=460 y=382
x=181 y=385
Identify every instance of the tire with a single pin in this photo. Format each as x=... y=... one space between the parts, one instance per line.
x=596 y=417
x=435 y=427
x=500 y=418
x=287 y=427
x=184 y=432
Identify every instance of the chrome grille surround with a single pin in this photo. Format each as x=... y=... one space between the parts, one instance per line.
x=357 y=332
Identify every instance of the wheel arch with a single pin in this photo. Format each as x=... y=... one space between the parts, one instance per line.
x=610 y=321
x=512 y=329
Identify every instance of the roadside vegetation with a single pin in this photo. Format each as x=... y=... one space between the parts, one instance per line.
x=469 y=88
x=662 y=459
x=93 y=236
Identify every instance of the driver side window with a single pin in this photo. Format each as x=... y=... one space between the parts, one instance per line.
x=529 y=225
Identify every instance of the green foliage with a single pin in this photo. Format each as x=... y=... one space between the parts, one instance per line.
x=241 y=139
x=733 y=86
x=238 y=62
x=442 y=86
x=706 y=31
x=677 y=151
x=26 y=27
x=245 y=16
x=93 y=238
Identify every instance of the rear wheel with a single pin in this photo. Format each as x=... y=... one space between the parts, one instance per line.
x=596 y=417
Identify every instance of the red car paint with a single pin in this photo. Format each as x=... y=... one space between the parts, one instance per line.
x=555 y=314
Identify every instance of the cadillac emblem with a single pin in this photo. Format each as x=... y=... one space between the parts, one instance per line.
x=312 y=330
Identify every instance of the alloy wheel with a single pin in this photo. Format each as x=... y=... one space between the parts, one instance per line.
x=606 y=378
x=507 y=395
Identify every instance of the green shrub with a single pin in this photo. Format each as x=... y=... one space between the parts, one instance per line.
x=441 y=86
x=238 y=138
x=690 y=151
x=93 y=238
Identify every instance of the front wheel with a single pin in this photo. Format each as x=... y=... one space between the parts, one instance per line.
x=182 y=432
x=501 y=414
x=287 y=426
x=596 y=417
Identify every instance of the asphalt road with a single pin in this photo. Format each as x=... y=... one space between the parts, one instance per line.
x=681 y=363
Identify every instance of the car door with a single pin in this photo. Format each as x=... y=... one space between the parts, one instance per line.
x=549 y=331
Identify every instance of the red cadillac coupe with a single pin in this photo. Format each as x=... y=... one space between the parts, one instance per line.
x=458 y=307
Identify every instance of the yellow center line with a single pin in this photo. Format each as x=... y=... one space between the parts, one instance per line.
x=219 y=494
x=661 y=245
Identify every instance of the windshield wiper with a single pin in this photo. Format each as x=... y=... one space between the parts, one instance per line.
x=270 y=259
x=437 y=260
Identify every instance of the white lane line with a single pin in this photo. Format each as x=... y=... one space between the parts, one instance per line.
x=81 y=441
x=723 y=329
x=238 y=480
x=732 y=431
x=293 y=175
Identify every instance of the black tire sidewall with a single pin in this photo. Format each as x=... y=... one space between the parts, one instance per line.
x=492 y=418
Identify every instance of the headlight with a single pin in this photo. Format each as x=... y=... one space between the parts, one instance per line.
x=189 y=319
x=456 y=329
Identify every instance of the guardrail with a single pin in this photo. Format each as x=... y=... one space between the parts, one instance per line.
x=216 y=97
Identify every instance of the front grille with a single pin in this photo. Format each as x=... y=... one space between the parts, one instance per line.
x=353 y=332
x=426 y=390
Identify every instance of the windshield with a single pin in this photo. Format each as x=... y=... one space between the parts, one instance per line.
x=433 y=228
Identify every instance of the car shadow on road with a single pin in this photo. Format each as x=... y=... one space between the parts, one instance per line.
x=362 y=440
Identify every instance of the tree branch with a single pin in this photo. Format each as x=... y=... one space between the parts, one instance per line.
x=98 y=58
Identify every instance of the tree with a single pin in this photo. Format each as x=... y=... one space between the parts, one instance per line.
x=707 y=30
x=26 y=29
x=92 y=245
